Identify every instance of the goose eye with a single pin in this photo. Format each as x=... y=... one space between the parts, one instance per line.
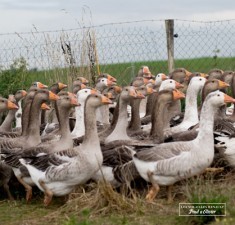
x=170 y=81
x=85 y=91
x=96 y=96
x=213 y=81
x=200 y=79
x=218 y=95
x=2 y=100
x=126 y=89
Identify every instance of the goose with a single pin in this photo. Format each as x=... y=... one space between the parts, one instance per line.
x=167 y=163
x=118 y=129
x=50 y=115
x=31 y=135
x=64 y=104
x=215 y=74
x=144 y=72
x=5 y=170
x=107 y=76
x=117 y=167
x=135 y=123
x=102 y=113
x=191 y=112
x=151 y=98
x=58 y=173
x=6 y=126
x=167 y=84
x=79 y=129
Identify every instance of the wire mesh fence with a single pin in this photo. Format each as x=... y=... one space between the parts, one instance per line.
x=121 y=48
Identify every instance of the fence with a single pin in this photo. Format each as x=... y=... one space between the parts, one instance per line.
x=121 y=48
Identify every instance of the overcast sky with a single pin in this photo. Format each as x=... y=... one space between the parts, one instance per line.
x=22 y=15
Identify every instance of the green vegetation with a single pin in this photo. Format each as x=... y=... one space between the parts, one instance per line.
x=18 y=76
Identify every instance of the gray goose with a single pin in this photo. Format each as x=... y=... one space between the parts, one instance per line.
x=215 y=74
x=60 y=172
x=167 y=163
x=64 y=104
x=6 y=126
x=5 y=170
x=118 y=167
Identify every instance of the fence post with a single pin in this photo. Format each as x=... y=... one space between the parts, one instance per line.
x=169 y=25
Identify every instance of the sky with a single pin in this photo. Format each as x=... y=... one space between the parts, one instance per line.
x=26 y=15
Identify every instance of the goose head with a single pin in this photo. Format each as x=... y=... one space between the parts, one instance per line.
x=80 y=80
x=102 y=83
x=38 y=84
x=20 y=94
x=108 y=76
x=138 y=81
x=6 y=104
x=57 y=87
x=196 y=74
x=67 y=101
x=170 y=84
x=144 y=72
x=45 y=95
x=130 y=92
x=218 y=98
x=168 y=96
x=159 y=78
x=215 y=74
x=145 y=90
x=96 y=100
x=78 y=87
x=212 y=85
x=197 y=82
x=180 y=74
x=84 y=93
x=227 y=76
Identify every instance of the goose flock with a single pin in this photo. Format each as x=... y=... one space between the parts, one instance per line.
x=57 y=140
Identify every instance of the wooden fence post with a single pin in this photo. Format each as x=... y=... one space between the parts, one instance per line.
x=169 y=24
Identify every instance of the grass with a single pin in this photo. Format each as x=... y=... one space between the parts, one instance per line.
x=100 y=204
x=124 y=72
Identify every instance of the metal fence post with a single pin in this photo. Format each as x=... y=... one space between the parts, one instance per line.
x=169 y=24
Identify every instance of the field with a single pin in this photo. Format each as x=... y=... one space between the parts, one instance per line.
x=100 y=204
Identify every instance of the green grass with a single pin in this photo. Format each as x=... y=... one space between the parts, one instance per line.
x=12 y=80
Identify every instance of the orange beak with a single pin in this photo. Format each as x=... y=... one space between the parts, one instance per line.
x=133 y=93
x=62 y=86
x=11 y=105
x=44 y=106
x=140 y=95
x=111 y=78
x=164 y=77
x=149 y=90
x=71 y=95
x=106 y=100
x=146 y=81
x=178 y=94
x=93 y=91
x=223 y=84
x=74 y=102
x=84 y=80
x=204 y=75
x=83 y=86
x=53 y=96
x=178 y=85
x=109 y=82
x=151 y=81
x=117 y=89
x=228 y=99
x=146 y=70
x=41 y=86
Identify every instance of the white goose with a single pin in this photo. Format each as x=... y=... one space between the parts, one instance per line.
x=58 y=173
x=168 y=163
x=79 y=129
x=191 y=111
